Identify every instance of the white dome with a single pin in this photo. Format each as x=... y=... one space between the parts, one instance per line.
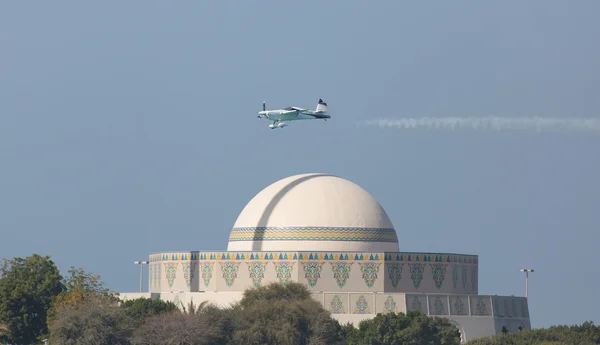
x=313 y=212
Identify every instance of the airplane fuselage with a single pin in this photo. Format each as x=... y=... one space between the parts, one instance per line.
x=288 y=115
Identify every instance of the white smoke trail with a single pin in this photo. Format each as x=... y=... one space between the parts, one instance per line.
x=493 y=123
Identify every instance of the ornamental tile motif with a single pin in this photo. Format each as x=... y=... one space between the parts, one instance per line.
x=454 y=275
x=341 y=272
x=389 y=306
x=336 y=306
x=464 y=276
x=206 y=269
x=256 y=271
x=312 y=271
x=416 y=273
x=177 y=300
x=229 y=270
x=189 y=268
x=312 y=234
x=361 y=306
x=480 y=307
x=459 y=306
x=283 y=271
x=438 y=271
x=416 y=304
x=395 y=273
x=369 y=272
x=171 y=272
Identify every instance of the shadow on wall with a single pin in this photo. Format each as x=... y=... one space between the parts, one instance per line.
x=264 y=219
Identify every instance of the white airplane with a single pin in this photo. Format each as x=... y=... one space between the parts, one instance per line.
x=281 y=117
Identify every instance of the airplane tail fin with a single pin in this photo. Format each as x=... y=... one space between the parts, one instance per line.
x=321 y=107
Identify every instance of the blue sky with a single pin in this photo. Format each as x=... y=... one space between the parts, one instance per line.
x=130 y=127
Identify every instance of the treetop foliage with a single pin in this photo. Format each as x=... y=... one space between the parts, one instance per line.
x=275 y=292
x=79 y=285
x=413 y=327
x=28 y=287
x=141 y=308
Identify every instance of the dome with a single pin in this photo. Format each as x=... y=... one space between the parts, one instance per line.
x=313 y=212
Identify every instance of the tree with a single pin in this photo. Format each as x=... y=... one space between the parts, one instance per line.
x=79 y=285
x=4 y=332
x=275 y=292
x=284 y=314
x=96 y=319
x=141 y=308
x=202 y=325
x=27 y=289
x=411 y=328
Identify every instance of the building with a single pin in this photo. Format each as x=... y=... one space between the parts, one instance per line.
x=330 y=234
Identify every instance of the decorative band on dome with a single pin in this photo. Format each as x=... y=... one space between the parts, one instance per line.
x=313 y=234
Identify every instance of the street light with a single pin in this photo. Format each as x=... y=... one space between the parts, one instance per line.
x=526 y=270
x=141 y=263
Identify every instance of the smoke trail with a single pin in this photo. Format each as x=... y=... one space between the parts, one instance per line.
x=490 y=123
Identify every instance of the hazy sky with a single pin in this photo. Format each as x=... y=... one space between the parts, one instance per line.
x=130 y=127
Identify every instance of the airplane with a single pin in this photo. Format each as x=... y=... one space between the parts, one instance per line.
x=281 y=117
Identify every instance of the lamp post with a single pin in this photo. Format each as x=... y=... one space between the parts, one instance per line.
x=526 y=270
x=141 y=263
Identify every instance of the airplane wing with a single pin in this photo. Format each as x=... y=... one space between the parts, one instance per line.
x=296 y=109
x=303 y=111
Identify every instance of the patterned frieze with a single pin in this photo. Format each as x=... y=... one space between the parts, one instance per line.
x=459 y=305
x=390 y=303
x=321 y=271
x=416 y=302
x=481 y=305
x=327 y=256
x=362 y=303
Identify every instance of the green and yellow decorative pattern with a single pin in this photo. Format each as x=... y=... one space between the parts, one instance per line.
x=461 y=259
x=313 y=234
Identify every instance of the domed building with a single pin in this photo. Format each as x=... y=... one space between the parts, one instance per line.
x=330 y=234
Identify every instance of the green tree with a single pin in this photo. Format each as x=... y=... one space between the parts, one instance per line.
x=284 y=314
x=412 y=328
x=275 y=292
x=27 y=289
x=141 y=308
